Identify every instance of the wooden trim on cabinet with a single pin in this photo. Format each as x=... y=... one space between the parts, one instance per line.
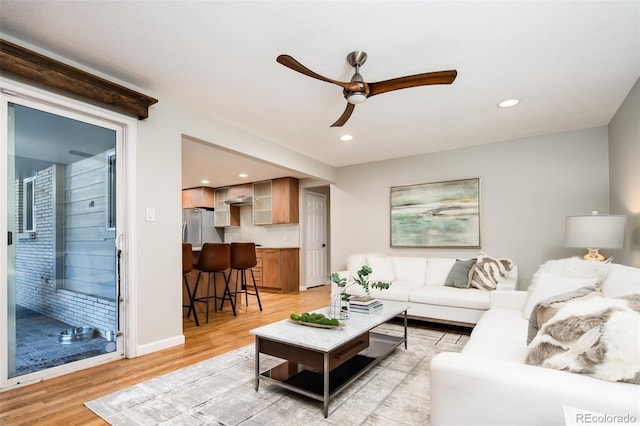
x=55 y=74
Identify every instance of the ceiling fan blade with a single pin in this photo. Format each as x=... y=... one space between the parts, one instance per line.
x=345 y=115
x=425 y=79
x=291 y=63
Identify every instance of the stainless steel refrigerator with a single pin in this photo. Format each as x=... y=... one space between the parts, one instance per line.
x=197 y=227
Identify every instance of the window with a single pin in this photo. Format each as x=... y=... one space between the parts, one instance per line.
x=29 y=204
x=111 y=190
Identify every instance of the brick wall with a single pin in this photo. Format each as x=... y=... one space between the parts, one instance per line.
x=36 y=286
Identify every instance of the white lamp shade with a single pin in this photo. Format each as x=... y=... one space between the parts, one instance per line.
x=595 y=231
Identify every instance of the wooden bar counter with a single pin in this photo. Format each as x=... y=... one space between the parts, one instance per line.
x=277 y=271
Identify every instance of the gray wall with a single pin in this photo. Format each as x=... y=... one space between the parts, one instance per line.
x=528 y=186
x=624 y=173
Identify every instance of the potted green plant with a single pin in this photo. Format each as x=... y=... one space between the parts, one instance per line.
x=362 y=280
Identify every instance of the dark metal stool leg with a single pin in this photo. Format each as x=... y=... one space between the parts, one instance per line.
x=255 y=287
x=191 y=296
x=207 y=298
x=227 y=292
x=244 y=287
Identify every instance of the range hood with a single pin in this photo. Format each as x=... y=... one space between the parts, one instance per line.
x=239 y=201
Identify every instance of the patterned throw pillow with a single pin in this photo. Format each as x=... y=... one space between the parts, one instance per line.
x=487 y=272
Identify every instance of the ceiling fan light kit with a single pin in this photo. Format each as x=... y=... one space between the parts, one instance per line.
x=356 y=98
x=356 y=91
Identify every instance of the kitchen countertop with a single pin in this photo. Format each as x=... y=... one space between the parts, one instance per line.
x=257 y=247
x=276 y=247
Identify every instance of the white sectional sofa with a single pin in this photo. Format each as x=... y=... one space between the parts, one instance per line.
x=420 y=282
x=489 y=382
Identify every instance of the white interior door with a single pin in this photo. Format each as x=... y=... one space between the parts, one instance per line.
x=316 y=239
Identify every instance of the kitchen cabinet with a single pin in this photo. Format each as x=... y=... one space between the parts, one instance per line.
x=198 y=197
x=280 y=269
x=240 y=191
x=225 y=214
x=275 y=201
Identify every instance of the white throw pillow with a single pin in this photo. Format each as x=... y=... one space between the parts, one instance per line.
x=437 y=270
x=547 y=285
x=410 y=268
x=382 y=268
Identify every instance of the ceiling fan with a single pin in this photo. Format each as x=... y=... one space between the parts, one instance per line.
x=357 y=90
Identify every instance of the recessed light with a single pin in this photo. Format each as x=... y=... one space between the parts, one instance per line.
x=243 y=175
x=509 y=103
x=346 y=138
x=204 y=181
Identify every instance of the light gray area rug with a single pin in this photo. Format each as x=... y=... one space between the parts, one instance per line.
x=220 y=391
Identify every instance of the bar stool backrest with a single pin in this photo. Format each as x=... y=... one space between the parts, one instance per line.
x=243 y=255
x=214 y=257
x=187 y=258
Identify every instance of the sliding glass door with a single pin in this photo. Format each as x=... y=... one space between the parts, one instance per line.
x=62 y=281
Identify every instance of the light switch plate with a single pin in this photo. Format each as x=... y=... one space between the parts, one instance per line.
x=151 y=214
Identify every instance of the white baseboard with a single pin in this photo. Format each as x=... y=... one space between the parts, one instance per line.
x=160 y=345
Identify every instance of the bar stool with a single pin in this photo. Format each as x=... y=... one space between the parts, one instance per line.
x=187 y=266
x=243 y=258
x=214 y=258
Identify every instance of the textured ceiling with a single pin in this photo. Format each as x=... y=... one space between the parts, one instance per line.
x=570 y=62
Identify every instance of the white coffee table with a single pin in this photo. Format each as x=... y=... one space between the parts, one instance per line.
x=320 y=363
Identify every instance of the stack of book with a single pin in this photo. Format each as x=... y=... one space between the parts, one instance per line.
x=364 y=305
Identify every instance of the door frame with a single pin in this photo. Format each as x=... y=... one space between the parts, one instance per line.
x=126 y=239
x=303 y=254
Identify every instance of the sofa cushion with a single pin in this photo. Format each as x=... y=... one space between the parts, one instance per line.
x=622 y=280
x=545 y=285
x=459 y=274
x=499 y=334
x=487 y=272
x=598 y=337
x=355 y=262
x=381 y=268
x=451 y=296
x=437 y=270
x=547 y=308
x=409 y=268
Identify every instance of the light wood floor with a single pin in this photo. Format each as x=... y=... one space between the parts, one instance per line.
x=59 y=401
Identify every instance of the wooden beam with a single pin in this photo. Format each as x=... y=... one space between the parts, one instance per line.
x=42 y=69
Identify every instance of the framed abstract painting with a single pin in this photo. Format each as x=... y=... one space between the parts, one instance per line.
x=439 y=214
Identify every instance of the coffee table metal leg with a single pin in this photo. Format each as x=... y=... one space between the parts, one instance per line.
x=325 y=401
x=405 y=329
x=257 y=373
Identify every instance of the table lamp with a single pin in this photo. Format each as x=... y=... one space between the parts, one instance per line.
x=595 y=232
